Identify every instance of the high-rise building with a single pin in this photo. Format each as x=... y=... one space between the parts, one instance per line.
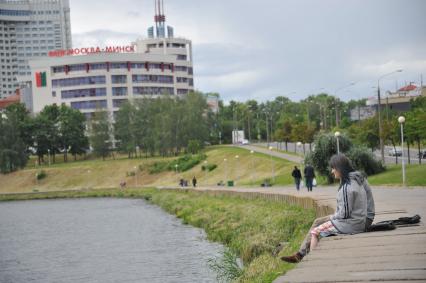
x=29 y=29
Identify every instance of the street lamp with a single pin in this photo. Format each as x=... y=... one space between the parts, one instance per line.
x=205 y=169
x=176 y=168
x=48 y=155
x=272 y=165
x=401 y=121
x=252 y=166
x=337 y=102
x=226 y=169
x=382 y=150
x=337 y=135
x=136 y=176
x=236 y=167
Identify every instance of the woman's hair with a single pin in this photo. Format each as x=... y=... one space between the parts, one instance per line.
x=342 y=164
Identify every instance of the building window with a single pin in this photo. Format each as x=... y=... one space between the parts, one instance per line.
x=119 y=91
x=90 y=92
x=152 y=90
x=119 y=79
x=152 y=79
x=118 y=102
x=89 y=104
x=77 y=81
x=182 y=91
x=181 y=57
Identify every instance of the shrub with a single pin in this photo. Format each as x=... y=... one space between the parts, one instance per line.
x=208 y=167
x=325 y=146
x=41 y=175
x=363 y=160
x=194 y=146
x=183 y=163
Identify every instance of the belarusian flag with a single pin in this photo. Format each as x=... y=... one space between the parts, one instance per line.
x=41 y=79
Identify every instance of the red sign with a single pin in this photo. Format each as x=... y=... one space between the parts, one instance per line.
x=92 y=50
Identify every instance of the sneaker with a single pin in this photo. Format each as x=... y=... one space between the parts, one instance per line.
x=297 y=257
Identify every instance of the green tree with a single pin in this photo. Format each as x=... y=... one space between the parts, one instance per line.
x=100 y=133
x=13 y=155
x=72 y=136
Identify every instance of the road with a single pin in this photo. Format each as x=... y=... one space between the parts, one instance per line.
x=292 y=147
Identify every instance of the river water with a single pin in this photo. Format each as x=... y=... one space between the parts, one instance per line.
x=99 y=240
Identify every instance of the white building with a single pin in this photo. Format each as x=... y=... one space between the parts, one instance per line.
x=91 y=78
x=29 y=29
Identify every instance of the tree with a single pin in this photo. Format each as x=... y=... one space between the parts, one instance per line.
x=100 y=133
x=71 y=131
x=13 y=155
x=124 y=128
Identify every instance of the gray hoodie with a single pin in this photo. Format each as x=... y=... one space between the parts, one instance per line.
x=351 y=212
x=361 y=180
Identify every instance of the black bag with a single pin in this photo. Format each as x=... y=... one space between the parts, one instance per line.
x=392 y=224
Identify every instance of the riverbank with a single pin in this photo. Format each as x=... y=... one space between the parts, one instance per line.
x=249 y=228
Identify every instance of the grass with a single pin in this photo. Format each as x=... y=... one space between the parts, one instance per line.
x=247 y=169
x=250 y=229
x=415 y=176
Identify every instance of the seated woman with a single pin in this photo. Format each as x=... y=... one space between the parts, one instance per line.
x=354 y=199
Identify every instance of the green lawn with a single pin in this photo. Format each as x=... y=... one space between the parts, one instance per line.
x=415 y=175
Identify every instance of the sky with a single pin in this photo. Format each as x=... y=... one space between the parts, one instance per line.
x=261 y=49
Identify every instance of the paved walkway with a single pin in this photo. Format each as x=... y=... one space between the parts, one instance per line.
x=389 y=256
x=275 y=153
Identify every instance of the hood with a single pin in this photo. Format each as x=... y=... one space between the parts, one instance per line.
x=357 y=176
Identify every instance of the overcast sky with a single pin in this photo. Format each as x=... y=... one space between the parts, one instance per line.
x=259 y=49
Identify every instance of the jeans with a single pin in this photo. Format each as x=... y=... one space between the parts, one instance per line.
x=297 y=182
x=309 y=183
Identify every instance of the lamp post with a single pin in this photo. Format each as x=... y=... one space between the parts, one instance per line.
x=272 y=164
x=176 y=168
x=382 y=150
x=205 y=169
x=226 y=169
x=252 y=166
x=401 y=121
x=236 y=167
x=337 y=102
x=48 y=155
x=337 y=135
x=136 y=176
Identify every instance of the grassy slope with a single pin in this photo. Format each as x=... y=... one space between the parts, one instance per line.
x=415 y=175
x=249 y=228
x=109 y=173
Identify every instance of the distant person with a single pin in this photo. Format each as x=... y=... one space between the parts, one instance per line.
x=355 y=208
x=309 y=176
x=181 y=183
x=297 y=175
x=122 y=184
x=194 y=182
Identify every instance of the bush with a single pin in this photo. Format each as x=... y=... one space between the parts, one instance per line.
x=194 y=146
x=209 y=167
x=325 y=146
x=363 y=160
x=183 y=163
x=41 y=175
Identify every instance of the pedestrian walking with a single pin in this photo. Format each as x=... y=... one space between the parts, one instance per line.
x=309 y=176
x=297 y=175
x=355 y=208
x=194 y=182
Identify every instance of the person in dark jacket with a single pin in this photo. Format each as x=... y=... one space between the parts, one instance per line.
x=354 y=213
x=309 y=176
x=297 y=175
x=194 y=182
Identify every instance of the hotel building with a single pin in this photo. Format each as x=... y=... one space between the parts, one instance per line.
x=94 y=78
